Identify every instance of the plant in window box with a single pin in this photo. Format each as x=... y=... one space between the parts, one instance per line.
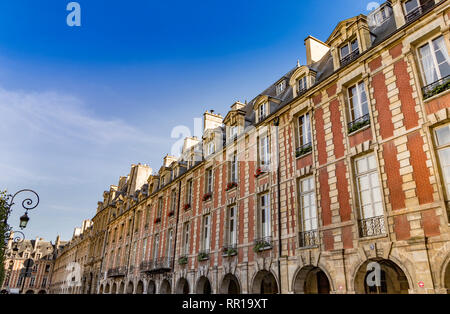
x=229 y=251
x=171 y=213
x=186 y=206
x=230 y=186
x=438 y=89
x=259 y=171
x=207 y=196
x=305 y=149
x=157 y=220
x=202 y=256
x=183 y=260
x=261 y=245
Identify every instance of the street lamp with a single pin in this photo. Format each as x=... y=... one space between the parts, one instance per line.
x=24 y=221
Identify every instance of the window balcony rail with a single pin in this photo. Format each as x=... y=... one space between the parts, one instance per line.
x=349 y=58
x=359 y=123
x=436 y=88
x=419 y=11
x=203 y=255
x=308 y=238
x=303 y=150
x=117 y=272
x=370 y=227
x=157 y=265
x=301 y=91
x=263 y=244
x=229 y=250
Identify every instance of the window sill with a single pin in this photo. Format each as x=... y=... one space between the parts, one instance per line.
x=303 y=155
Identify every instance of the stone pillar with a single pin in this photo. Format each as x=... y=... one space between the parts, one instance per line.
x=399 y=14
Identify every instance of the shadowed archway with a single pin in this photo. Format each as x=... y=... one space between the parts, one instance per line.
x=230 y=285
x=203 y=286
x=264 y=283
x=182 y=286
x=311 y=280
x=165 y=287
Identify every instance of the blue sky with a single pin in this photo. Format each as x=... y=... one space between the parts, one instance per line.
x=79 y=105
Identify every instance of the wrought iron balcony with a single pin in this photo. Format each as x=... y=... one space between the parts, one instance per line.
x=358 y=123
x=263 y=244
x=229 y=250
x=303 y=150
x=350 y=57
x=308 y=239
x=158 y=265
x=203 y=255
x=436 y=88
x=117 y=272
x=301 y=91
x=419 y=11
x=370 y=227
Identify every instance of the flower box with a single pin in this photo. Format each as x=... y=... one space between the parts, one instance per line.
x=207 y=197
x=230 y=186
x=157 y=220
x=186 y=206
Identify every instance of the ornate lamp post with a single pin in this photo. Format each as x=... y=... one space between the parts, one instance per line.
x=27 y=204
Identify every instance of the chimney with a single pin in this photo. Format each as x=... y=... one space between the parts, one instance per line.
x=211 y=120
x=138 y=177
x=58 y=241
x=36 y=242
x=237 y=105
x=315 y=49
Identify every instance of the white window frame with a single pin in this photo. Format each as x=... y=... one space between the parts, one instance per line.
x=173 y=200
x=206 y=232
x=189 y=187
x=209 y=180
x=169 y=243
x=415 y=8
x=232 y=225
x=304 y=130
x=349 y=45
x=262 y=111
x=302 y=84
x=371 y=189
x=186 y=236
x=156 y=246
x=280 y=87
x=308 y=209
x=265 y=215
x=441 y=148
x=233 y=168
x=436 y=68
x=360 y=88
x=264 y=150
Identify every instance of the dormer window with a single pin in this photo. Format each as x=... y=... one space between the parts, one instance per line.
x=233 y=132
x=281 y=87
x=210 y=148
x=381 y=16
x=262 y=111
x=349 y=52
x=302 y=85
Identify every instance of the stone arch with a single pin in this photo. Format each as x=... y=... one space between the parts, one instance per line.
x=29 y=292
x=203 y=286
x=130 y=288
x=42 y=292
x=393 y=278
x=264 y=282
x=165 y=287
x=311 y=280
x=230 y=285
x=114 y=288
x=121 y=288
x=101 y=289
x=446 y=275
x=182 y=286
x=140 y=287
x=151 y=287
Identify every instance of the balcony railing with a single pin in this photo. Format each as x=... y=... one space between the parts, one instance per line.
x=370 y=227
x=203 y=255
x=303 y=150
x=358 y=123
x=350 y=57
x=436 y=88
x=419 y=11
x=158 y=265
x=117 y=272
x=308 y=239
x=229 y=250
x=262 y=244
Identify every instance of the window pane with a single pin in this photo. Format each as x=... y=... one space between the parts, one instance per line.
x=411 y=5
x=428 y=64
x=361 y=165
x=354 y=45
x=443 y=135
x=344 y=51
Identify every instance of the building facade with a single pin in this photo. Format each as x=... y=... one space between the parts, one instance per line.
x=338 y=169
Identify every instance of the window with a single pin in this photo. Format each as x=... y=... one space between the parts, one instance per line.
x=264 y=158
x=19 y=282
x=359 y=109
x=233 y=132
x=130 y=222
x=209 y=180
x=262 y=112
x=442 y=136
x=144 y=249
x=266 y=228
x=308 y=208
x=169 y=244
x=160 y=207
x=233 y=168
x=173 y=201
x=162 y=181
x=138 y=221
x=47 y=268
x=281 y=87
x=133 y=254
x=381 y=16
x=32 y=280
x=206 y=232
x=349 y=51
x=118 y=257
x=156 y=247
x=44 y=281
x=302 y=85
x=232 y=226
x=411 y=5
x=210 y=148
x=304 y=130
x=368 y=187
x=189 y=192
x=186 y=239
x=435 y=60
